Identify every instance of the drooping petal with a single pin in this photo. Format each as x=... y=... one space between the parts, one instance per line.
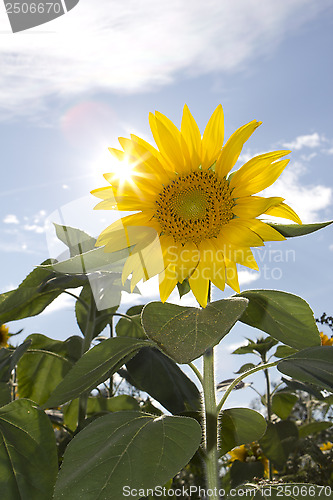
x=266 y=232
x=250 y=207
x=187 y=260
x=199 y=286
x=212 y=139
x=285 y=211
x=231 y=151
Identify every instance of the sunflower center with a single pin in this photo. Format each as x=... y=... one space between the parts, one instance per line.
x=194 y=207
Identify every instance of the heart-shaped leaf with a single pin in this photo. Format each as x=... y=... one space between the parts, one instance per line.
x=279 y=441
x=185 y=333
x=240 y=426
x=28 y=452
x=120 y=453
x=284 y=316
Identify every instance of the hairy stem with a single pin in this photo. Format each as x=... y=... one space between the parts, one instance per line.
x=210 y=424
x=88 y=335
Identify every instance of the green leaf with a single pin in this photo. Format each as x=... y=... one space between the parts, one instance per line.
x=93 y=260
x=131 y=327
x=183 y=288
x=28 y=453
x=240 y=426
x=185 y=333
x=282 y=351
x=9 y=358
x=162 y=379
x=312 y=428
x=98 y=405
x=245 y=471
x=280 y=491
x=283 y=403
x=299 y=386
x=245 y=367
x=94 y=367
x=27 y=300
x=314 y=365
x=5 y=393
x=44 y=366
x=261 y=346
x=284 y=316
x=279 y=441
x=292 y=230
x=77 y=241
x=102 y=318
x=130 y=449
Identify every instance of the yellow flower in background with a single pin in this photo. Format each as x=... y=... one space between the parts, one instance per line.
x=249 y=453
x=325 y=340
x=195 y=220
x=326 y=446
x=4 y=336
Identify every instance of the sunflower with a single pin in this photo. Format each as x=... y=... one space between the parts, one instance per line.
x=194 y=219
x=249 y=453
x=4 y=336
x=325 y=340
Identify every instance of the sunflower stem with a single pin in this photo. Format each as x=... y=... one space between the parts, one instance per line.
x=210 y=424
x=88 y=336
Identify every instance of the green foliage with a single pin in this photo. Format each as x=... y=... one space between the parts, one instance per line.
x=282 y=404
x=98 y=460
x=82 y=308
x=292 y=230
x=159 y=376
x=284 y=316
x=97 y=406
x=28 y=456
x=94 y=367
x=185 y=333
x=240 y=426
x=314 y=365
x=279 y=441
x=44 y=365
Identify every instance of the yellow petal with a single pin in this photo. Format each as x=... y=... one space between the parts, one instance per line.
x=187 y=260
x=170 y=146
x=250 y=207
x=167 y=282
x=199 y=286
x=232 y=275
x=285 y=211
x=263 y=176
x=266 y=232
x=191 y=133
x=233 y=148
x=240 y=255
x=238 y=232
x=212 y=140
x=131 y=221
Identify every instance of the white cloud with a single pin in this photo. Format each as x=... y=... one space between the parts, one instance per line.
x=305 y=141
x=134 y=46
x=10 y=219
x=62 y=302
x=331 y=247
x=307 y=201
x=245 y=277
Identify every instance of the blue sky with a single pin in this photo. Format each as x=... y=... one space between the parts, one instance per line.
x=71 y=87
